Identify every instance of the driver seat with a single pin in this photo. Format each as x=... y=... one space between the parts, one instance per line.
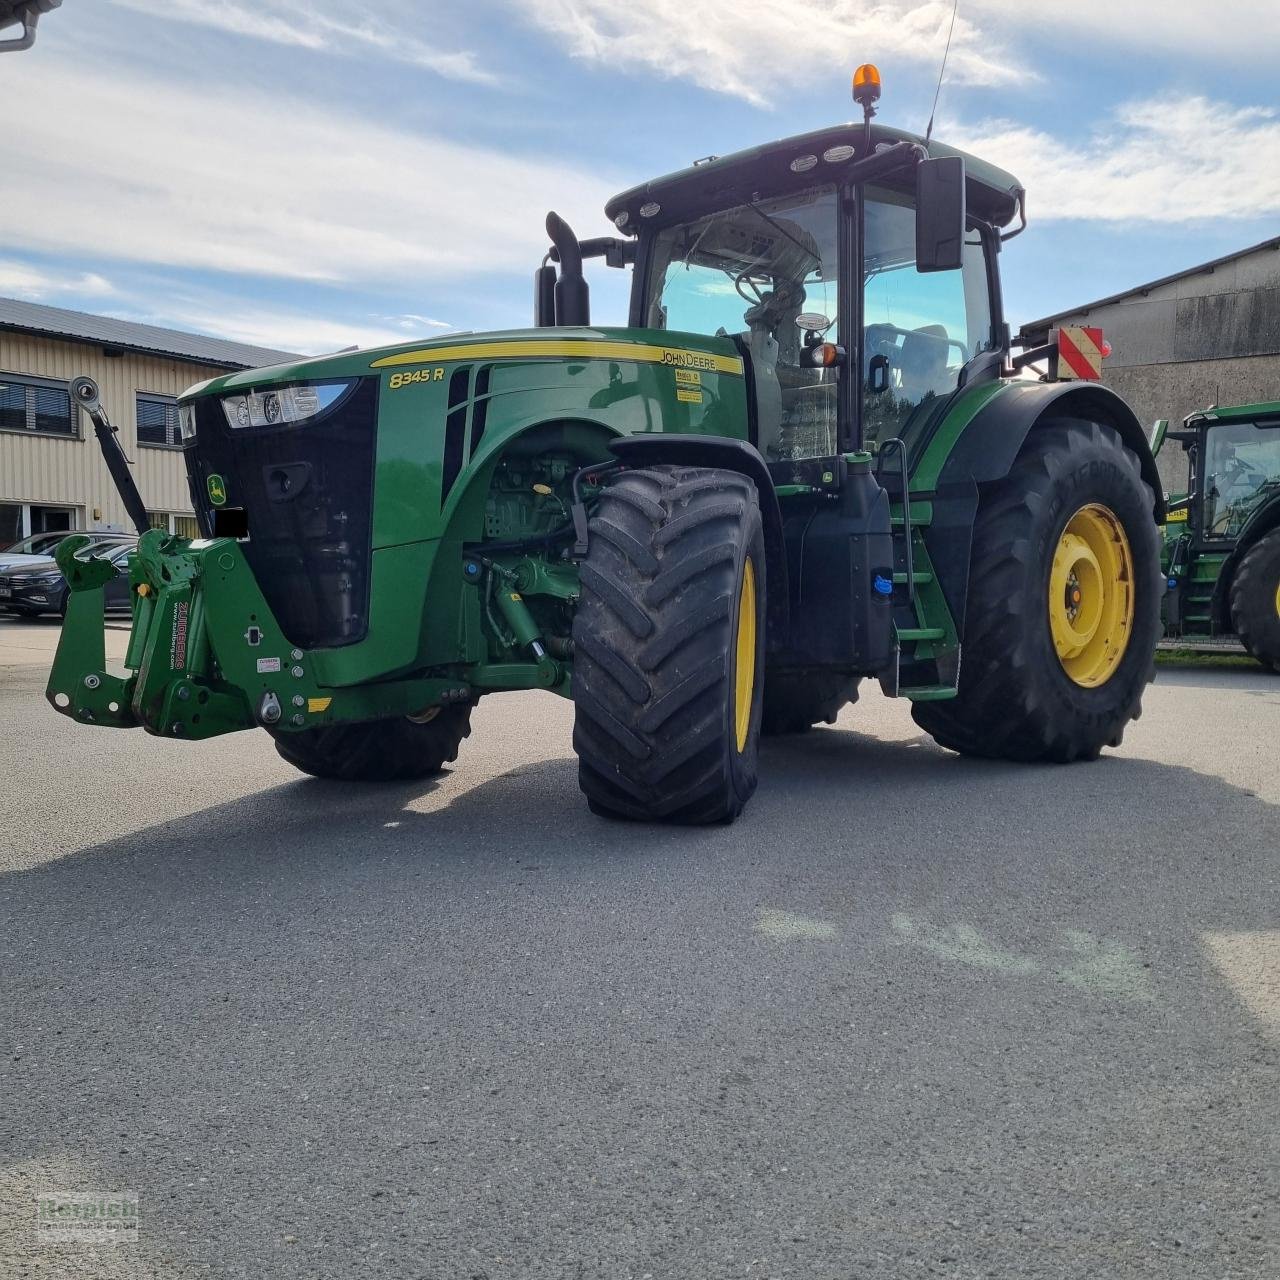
x=923 y=361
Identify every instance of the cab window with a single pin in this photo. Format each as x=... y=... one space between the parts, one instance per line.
x=920 y=329
x=765 y=273
x=1242 y=470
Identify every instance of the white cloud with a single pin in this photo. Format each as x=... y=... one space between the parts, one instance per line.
x=756 y=49
x=282 y=330
x=411 y=321
x=211 y=179
x=24 y=281
x=1169 y=160
x=1243 y=31
x=316 y=26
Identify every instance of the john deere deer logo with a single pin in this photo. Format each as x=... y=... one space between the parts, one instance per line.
x=217 y=490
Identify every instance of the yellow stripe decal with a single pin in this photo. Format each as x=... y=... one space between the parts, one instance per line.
x=568 y=349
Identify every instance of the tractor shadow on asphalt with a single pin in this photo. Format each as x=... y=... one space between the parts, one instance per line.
x=309 y=1002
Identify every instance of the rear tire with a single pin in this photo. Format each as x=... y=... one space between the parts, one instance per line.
x=377 y=750
x=1016 y=700
x=795 y=701
x=669 y=645
x=1255 y=600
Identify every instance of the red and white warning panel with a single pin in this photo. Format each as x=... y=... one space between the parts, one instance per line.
x=1081 y=350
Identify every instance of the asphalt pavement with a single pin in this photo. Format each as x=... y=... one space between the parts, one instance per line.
x=912 y=1015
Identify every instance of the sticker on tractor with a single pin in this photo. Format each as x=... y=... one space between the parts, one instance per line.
x=178 y=637
x=1081 y=349
x=319 y=704
x=691 y=377
x=688 y=359
x=1176 y=517
x=398 y=380
x=217 y=487
x=266 y=665
x=688 y=395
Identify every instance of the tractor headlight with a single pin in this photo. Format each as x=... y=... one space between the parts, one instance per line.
x=282 y=405
x=187 y=420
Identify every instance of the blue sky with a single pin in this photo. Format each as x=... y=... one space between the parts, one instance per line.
x=311 y=175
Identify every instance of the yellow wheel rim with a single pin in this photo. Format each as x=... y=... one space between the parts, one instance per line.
x=1091 y=595
x=1278 y=599
x=744 y=665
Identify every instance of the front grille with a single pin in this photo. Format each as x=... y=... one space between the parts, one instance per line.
x=307 y=489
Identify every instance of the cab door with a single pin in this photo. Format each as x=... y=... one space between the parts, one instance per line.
x=920 y=329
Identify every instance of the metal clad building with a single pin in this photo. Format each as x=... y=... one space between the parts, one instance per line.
x=51 y=473
x=1207 y=335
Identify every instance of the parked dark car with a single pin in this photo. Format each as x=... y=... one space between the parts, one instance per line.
x=39 y=587
x=40 y=546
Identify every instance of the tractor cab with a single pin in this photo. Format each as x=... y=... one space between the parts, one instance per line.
x=1233 y=466
x=854 y=268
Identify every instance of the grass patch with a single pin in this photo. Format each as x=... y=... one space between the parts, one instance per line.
x=1199 y=658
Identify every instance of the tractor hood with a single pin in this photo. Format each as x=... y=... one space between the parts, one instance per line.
x=675 y=350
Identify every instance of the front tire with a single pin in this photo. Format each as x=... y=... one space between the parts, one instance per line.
x=395 y=750
x=669 y=646
x=1063 y=610
x=1255 y=600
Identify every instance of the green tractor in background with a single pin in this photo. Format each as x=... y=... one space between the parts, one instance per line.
x=1222 y=536
x=808 y=460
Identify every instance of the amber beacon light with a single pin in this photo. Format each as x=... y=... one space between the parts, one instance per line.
x=866 y=84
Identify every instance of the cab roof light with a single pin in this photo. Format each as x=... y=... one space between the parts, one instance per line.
x=866 y=85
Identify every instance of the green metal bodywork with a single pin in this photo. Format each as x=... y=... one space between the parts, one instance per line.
x=432 y=636
x=1198 y=572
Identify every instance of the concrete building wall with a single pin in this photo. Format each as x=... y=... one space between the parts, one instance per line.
x=69 y=471
x=1208 y=337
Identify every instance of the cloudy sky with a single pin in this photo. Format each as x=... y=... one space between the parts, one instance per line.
x=307 y=174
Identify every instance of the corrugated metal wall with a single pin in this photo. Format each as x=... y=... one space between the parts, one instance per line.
x=60 y=471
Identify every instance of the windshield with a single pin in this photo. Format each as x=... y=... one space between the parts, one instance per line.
x=38 y=544
x=1242 y=470
x=766 y=274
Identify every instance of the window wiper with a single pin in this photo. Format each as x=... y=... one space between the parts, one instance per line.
x=777 y=226
x=702 y=235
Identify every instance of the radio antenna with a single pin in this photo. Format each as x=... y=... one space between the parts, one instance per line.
x=942 y=71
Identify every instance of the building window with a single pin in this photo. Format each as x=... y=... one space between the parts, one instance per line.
x=168 y=522
x=11 y=519
x=157 y=418
x=38 y=405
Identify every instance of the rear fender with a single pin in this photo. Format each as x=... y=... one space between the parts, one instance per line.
x=727 y=454
x=978 y=442
x=991 y=440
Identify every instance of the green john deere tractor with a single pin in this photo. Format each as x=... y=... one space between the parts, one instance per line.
x=807 y=460
x=1222 y=536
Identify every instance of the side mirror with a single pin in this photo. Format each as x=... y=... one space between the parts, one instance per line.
x=940 y=214
x=1158 y=430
